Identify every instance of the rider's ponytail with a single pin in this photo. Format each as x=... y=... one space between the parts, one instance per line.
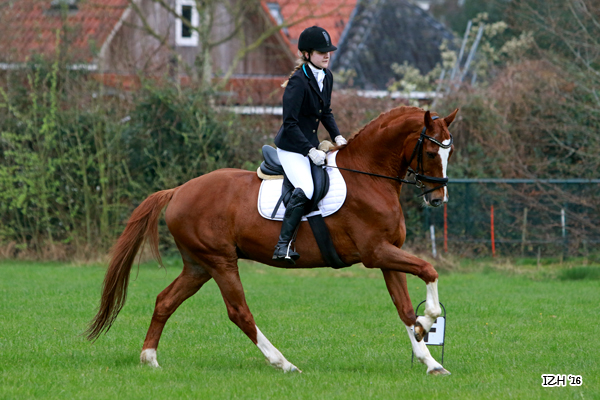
x=299 y=63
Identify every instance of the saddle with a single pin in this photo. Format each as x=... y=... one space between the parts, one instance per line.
x=271 y=168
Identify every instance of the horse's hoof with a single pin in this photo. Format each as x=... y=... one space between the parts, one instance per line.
x=293 y=368
x=419 y=331
x=439 y=371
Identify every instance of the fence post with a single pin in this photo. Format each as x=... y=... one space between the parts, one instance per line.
x=563 y=223
x=445 y=227
x=467 y=218
x=492 y=229
x=524 y=231
x=432 y=233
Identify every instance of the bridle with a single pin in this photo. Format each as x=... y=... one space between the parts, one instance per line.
x=419 y=177
x=418 y=151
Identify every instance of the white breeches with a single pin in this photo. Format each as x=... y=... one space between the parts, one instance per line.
x=297 y=169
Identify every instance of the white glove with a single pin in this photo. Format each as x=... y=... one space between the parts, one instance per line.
x=340 y=141
x=317 y=156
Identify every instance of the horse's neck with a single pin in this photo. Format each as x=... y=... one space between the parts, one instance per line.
x=380 y=150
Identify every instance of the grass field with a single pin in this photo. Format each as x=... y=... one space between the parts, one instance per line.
x=340 y=327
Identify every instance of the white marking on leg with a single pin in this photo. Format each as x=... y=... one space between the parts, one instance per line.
x=273 y=355
x=432 y=307
x=148 y=356
x=423 y=355
x=444 y=155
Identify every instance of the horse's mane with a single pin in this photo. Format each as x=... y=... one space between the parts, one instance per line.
x=385 y=118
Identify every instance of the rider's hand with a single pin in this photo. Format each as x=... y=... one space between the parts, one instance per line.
x=317 y=156
x=340 y=141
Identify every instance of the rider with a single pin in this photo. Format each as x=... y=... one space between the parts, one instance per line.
x=306 y=102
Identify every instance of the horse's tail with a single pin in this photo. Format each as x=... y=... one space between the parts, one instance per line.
x=142 y=225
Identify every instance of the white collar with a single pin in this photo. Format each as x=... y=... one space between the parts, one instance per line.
x=318 y=73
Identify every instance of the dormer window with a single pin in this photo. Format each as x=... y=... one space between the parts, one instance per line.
x=57 y=7
x=185 y=34
x=70 y=5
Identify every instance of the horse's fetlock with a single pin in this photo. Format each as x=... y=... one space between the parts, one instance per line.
x=433 y=313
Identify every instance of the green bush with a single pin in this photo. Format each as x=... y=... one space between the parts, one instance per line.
x=75 y=159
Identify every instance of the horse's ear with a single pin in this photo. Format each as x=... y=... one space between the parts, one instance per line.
x=448 y=120
x=428 y=121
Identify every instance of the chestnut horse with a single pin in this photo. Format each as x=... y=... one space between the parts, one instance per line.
x=214 y=221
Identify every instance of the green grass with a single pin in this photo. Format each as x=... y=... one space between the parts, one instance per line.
x=578 y=273
x=339 y=327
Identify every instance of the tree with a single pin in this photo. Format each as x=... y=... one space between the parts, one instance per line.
x=225 y=21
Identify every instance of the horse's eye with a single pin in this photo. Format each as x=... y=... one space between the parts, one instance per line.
x=431 y=155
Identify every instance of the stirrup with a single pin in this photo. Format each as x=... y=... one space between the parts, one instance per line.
x=290 y=255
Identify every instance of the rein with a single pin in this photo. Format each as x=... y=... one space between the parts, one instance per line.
x=419 y=178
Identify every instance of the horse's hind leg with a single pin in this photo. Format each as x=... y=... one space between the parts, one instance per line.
x=396 y=284
x=187 y=283
x=228 y=279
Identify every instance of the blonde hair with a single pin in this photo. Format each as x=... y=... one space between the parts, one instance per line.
x=299 y=63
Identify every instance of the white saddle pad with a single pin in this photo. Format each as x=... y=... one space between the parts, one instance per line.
x=270 y=192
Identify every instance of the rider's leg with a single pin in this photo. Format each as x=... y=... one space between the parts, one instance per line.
x=291 y=219
x=297 y=169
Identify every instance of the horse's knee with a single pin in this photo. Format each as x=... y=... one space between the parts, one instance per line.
x=408 y=316
x=428 y=274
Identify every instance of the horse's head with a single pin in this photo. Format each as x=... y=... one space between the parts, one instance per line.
x=428 y=158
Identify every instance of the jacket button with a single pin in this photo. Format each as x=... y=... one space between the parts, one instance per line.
x=319 y=111
x=314 y=131
x=317 y=120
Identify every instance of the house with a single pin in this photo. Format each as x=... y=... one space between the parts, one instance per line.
x=117 y=40
x=382 y=33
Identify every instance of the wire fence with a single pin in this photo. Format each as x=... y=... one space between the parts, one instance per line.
x=509 y=217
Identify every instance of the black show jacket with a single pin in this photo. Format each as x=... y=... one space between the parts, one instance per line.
x=304 y=106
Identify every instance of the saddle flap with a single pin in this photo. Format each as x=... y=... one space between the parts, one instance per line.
x=321 y=187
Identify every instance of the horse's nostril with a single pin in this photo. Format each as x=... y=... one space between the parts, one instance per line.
x=436 y=202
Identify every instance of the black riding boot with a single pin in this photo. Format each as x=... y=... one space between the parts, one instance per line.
x=291 y=219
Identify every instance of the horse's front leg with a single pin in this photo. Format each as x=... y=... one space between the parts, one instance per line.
x=432 y=312
x=389 y=257
x=396 y=284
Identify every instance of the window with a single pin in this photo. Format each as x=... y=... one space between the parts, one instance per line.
x=69 y=4
x=186 y=14
x=275 y=11
x=57 y=7
x=185 y=35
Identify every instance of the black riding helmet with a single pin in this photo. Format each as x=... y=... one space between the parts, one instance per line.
x=315 y=38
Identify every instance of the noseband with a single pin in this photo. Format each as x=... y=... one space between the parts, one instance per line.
x=419 y=177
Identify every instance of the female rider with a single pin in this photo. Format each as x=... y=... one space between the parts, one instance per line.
x=306 y=102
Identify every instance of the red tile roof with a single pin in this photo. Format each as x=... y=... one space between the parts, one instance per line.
x=27 y=28
x=332 y=15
